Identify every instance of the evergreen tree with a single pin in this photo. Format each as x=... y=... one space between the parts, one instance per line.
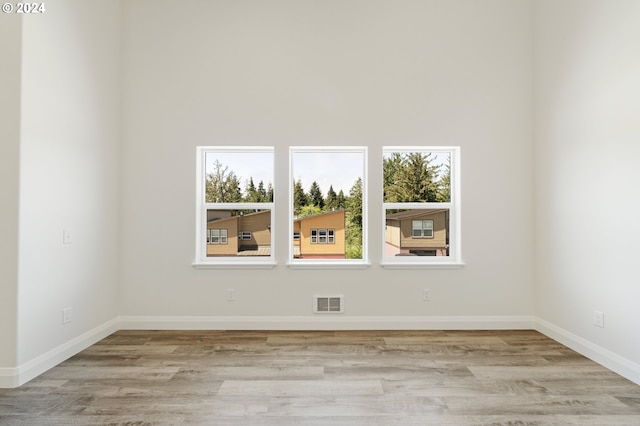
x=414 y=181
x=353 y=219
x=315 y=195
x=390 y=174
x=332 y=200
x=262 y=193
x=222 y=185
x=444 y=184
x=341 y=200
x=300 y=199
x=251 y=194
x=269 y=193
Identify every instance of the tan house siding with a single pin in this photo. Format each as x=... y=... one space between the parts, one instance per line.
x=332 y=220
x=259 y=224
x=439 y=232
x=399 y=233
x=392 y=232
x=229 y=249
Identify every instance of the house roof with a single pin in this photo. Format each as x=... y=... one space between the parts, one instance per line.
x=407 y=214
x=215 y=219
x=318 y=215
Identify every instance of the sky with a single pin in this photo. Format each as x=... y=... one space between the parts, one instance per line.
x=258 y=165
x=340 y=169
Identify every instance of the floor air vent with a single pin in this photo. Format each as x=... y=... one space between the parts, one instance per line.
x=328 y=304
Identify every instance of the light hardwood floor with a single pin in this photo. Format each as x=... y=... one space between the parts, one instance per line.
x=325 y=378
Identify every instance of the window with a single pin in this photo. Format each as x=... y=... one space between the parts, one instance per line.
x=234 y=207
x=422 y=228
x=216 y=236
x=323 y=236
x=327 y=206
x=421 y=207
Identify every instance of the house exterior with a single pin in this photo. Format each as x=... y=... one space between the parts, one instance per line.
x=420 y=232
x=242 y=235
x=320 y=237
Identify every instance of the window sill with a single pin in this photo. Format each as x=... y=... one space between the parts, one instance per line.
x=323 y=264
x=422 y=265
x=234 y=265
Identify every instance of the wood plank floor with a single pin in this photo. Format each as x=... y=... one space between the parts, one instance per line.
x=325 y=378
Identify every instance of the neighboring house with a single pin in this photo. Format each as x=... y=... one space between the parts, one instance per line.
x=420 y=232
x=243 y=235
x=320 y=237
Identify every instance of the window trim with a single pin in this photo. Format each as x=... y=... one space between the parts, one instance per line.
x=363 y=263
x=454 y=260
x=228 y=262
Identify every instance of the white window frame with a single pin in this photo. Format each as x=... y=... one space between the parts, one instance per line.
x=201 y=259
x=454 y=260
x=244 y=235
x=296 y=263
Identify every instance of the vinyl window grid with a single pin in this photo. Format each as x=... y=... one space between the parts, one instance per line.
x=244 y=235
x=323 y=236
x=454 y=258
x=364 y=262
x=422 y=228
x=217 y=236
x=202 y=207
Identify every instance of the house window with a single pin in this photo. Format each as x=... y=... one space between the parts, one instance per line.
x=323 y=236
x=234 y=206
x=421 y=207
x=422 y=228
x=216 y=236
x=327 y=206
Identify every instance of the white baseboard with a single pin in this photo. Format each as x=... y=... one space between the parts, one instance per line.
x=614 y=362
x=327 y=322
x=14 y=377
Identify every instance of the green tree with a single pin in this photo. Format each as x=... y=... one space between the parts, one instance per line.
x=341 y=200
x=251 y=193
x=414 y=181
x=444 y=184
x=353 y=219
x=331 y=203
x=390 y=174
x=315 y=195
x=222 y=185
x=262 y=192
x=300 y=199
x=309 y=210
x=269 y=193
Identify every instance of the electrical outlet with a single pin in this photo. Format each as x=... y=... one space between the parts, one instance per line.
x=66 y=316
x=598 y=319
x=67 y=236
x=426 y=295
x=231 y=295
